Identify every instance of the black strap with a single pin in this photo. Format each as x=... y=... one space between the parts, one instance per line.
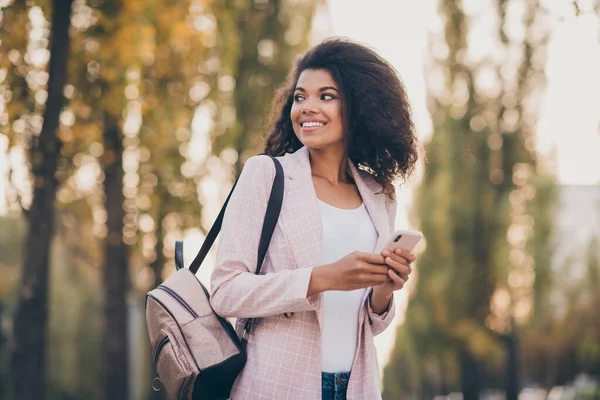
x=271 y=216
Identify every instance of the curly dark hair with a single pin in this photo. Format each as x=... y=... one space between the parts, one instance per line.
x=376 y=115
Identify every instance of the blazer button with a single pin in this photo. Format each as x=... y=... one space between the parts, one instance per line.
x=288 y=315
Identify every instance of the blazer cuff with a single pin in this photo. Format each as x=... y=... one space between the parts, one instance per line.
x=304 y=275
x=380 y=322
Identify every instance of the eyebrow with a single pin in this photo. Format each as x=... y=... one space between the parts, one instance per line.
x=324 y=88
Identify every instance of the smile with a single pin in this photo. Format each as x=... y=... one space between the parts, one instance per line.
x=312 y=125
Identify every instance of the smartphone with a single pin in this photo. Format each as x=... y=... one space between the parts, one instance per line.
x=403 y=239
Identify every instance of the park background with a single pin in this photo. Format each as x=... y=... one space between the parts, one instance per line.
x=125 y=132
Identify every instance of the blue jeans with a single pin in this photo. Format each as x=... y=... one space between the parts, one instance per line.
x=334 y=386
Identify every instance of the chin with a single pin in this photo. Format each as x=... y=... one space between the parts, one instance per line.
x=314 y=144
x=320 y=146
x=319 y=142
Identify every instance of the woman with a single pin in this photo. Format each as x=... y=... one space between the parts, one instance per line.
x=342 y=131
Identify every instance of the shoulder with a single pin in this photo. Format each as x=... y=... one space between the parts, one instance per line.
x=255 y=180
x=376 y=187
x=388 y=192
x=259 y=167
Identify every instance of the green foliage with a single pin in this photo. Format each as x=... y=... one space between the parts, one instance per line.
x=269 y=36
x=568 y=341
x=480 y=204
x=11 y=232
x=20 y=103
x=75 y=327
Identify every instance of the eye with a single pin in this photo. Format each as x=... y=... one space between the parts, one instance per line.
x=327 y=96
x=298 y=97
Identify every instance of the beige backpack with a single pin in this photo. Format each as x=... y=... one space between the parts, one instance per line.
x=197 y=353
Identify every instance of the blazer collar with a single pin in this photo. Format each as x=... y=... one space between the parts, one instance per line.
x=299 y=166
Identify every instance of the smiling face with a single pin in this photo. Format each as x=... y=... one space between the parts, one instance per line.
x=316 y=112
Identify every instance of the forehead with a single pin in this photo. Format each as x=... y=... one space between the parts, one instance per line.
x=315 y=79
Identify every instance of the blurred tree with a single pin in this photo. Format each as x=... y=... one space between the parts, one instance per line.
x=568 y=342
x=30 y=322
x=270 y=34
x=11 y=250
x=477 y=278
x=106 y=70
x=151 y=85
x=76 y=321
x=116 y=276
x=531 y=192
x=174 y=150
x=104 y=46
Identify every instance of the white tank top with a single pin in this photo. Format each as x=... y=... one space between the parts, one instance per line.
x=344 y=231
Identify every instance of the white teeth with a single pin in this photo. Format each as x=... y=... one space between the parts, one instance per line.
x=312 y=124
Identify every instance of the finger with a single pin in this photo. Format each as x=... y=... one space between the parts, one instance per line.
x=379 y=279
x=377 y=269
x=372 y=258
x=403 y=269
x=398 y=281
x=406 y=254
x=399 y=259
x=373 y=280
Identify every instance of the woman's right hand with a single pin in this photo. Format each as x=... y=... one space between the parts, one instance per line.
x=357 y=270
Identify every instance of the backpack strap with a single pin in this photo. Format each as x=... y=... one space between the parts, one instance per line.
x=271 y=217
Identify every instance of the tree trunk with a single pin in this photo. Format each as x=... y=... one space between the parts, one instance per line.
x=30 y=323
x=115 y=267
x=159 y=262
x=470 y=379
x=157 y=267
x=512 y=366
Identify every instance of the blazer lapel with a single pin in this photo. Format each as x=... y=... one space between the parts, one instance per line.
x=300 y=215
x=374 y=200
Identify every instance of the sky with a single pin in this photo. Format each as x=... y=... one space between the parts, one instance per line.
x=569 y=121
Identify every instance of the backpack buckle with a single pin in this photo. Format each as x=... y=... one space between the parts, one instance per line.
x=178 y=255
x=157 y=384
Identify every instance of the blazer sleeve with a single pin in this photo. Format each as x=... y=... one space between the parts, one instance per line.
x=236 y=290
x=379 y=323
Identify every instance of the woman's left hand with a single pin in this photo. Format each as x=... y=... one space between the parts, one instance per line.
x=399 y=262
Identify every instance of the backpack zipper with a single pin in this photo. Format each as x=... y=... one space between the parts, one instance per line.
x=178 y=299
x=163 y=342
x=187 y=345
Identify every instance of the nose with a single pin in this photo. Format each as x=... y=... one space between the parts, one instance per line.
x=308 y=108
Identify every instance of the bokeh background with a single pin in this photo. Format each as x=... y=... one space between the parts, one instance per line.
x=126 y=131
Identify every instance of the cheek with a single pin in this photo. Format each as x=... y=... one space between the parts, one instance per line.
x=335 y=115
x=294 y=113
x=334 y=111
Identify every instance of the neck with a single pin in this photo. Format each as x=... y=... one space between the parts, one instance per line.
x=330 y=165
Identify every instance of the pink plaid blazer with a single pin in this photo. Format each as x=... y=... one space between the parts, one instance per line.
x=284 y=354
